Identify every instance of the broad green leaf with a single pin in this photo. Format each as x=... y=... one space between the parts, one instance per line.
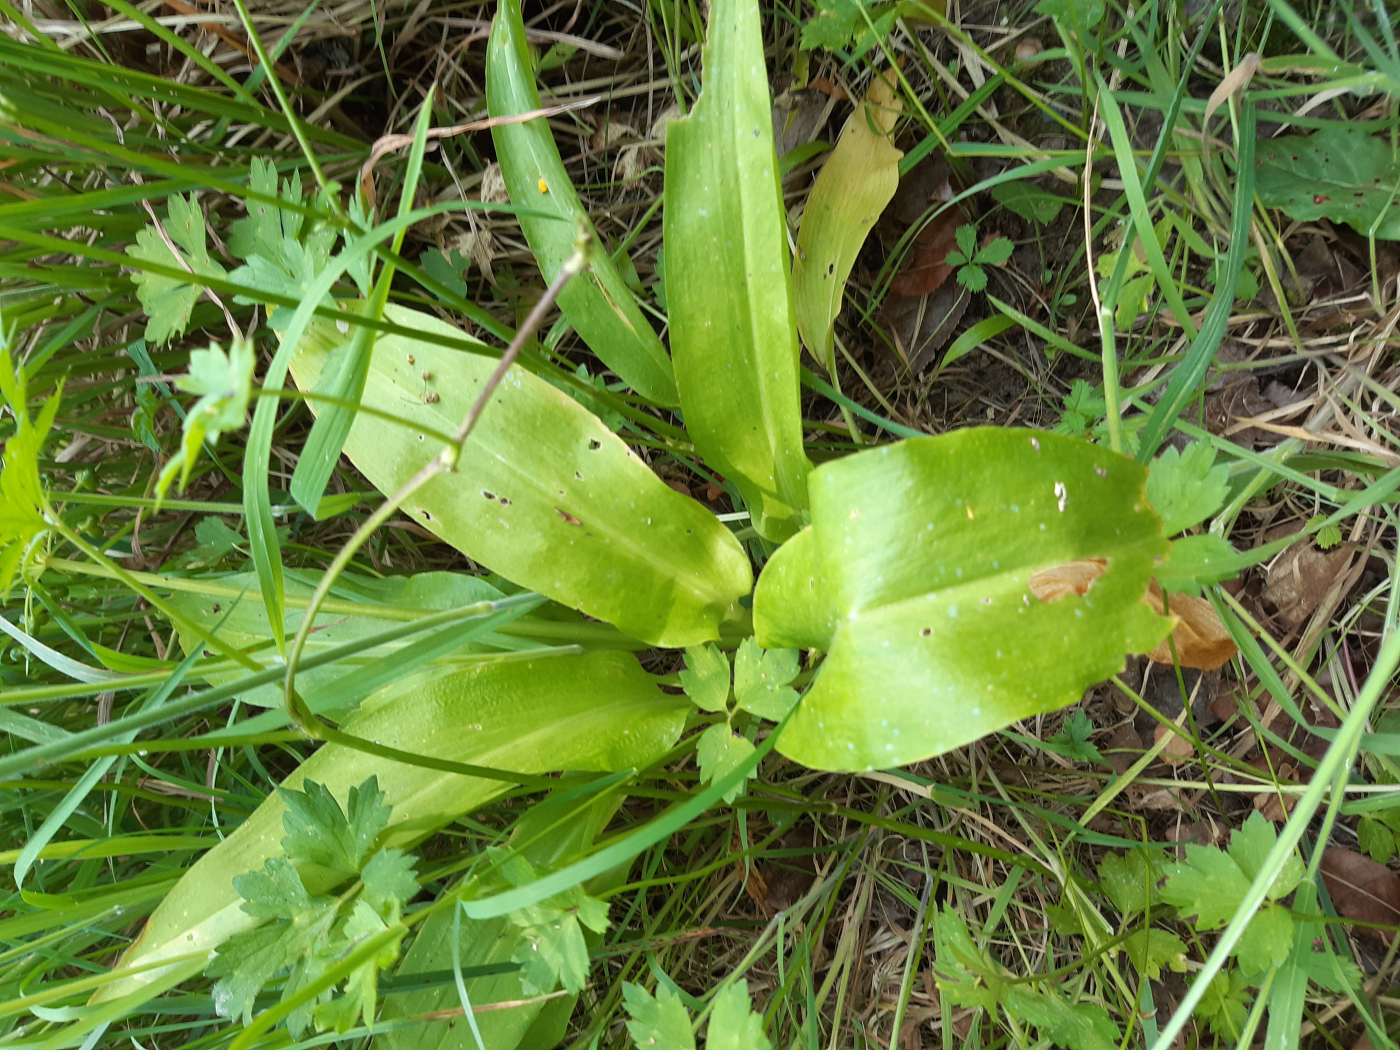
x=543 y=493
x=926 y=550
x=706 y=677
x=734 y=1024
x=597 y=711
x=733 y=332
x=1187 y=487
x=597 y=303
x=1341 y=173
x=169 y=301
x=241 y=621
x=852 y=189
x=550 y=833
x=801 y=612
x=719 y=752
x=658 y=1022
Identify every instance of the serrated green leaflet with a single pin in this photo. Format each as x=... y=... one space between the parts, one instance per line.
x=1185 y=488
x=558 y=713
x=553 y=831
x=733 y=328
x=1340 y=173
x=597 y=303
x=544 y=493
x=925 y=550
x=168 y=301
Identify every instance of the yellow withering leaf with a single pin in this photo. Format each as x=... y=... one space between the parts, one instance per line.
x=851 y=191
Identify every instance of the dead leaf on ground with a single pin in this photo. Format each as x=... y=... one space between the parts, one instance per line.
x=1299 y=580
x=1362 y=890
x=927 y=266
x=1178 y=748
x=1186 y=833
x=923 y=306
x=797 y=116
x=1270 y=803
x=1124 y=748
x=776 y=886
x=1157 y=798
x=1199 y=637
x=922 y=325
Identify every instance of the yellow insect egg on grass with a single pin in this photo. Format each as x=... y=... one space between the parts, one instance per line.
x=544 y=186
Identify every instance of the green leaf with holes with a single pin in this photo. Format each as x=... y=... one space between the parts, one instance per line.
x=728 y=286
x=598 y=303
x=1340 y=173
x=915 y=575
x=544 y=493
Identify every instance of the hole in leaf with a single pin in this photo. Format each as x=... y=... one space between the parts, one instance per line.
x=594 y=445
x=1075 y=577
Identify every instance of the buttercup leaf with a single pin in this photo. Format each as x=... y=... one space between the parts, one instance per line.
x=657 y=1022
x=169 y=301
x=705 y=678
